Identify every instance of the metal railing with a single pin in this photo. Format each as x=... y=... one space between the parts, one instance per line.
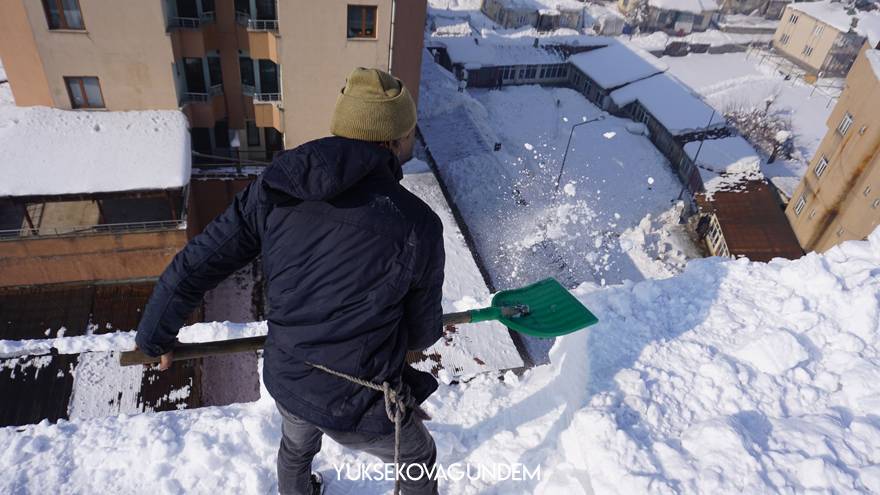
x=263 y=25
x=248 y=90
x=267 y=97
x=112 y=228
x=189 y=97
x=191 y=22
x=242 y=18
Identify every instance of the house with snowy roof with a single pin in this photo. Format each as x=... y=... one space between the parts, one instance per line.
x=677 y=17
x=597 y=73
x=825 y=37
x=104 y=200
x=544 y=15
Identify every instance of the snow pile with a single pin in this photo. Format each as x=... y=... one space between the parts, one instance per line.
x=672 y=103
x=545 y=6
x=725 y=163
x=91 y=151
x=692 y=6
x=450 y=25
x=733 y=377
x=617 y=64
x=764 y=384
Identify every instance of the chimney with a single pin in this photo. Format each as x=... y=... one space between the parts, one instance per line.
x=855 y=22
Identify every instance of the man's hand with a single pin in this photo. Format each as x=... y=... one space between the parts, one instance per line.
x=165 y=360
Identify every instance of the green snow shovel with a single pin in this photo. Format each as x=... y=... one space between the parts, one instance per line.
x=543 y=309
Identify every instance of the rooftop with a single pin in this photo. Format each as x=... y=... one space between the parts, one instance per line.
x=546 y=6
x=617 y=64
x=873 y=57
x=91 y=152
x=677 y=108
x=692 y=6
x=837 y=15
x=494 y=51
x=725 y=163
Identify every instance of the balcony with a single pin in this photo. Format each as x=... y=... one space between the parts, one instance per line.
x=204 y=109
x=268 y=111
x=191 y=22
x=263 y=39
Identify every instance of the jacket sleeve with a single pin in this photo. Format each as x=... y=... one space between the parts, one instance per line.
x=423 y=309
x=228 y=243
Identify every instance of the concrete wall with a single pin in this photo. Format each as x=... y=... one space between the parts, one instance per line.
x=317 y=56
x=125 y=46
x=837 y=199
x=54 y=260
x=21 y=58
x=800 y=35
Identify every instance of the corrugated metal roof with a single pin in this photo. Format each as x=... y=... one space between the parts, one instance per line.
x=753 y=222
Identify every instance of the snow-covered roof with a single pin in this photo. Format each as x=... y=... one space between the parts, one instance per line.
x=692 y=6
x=513 y=51
x=725 y=162
x=836 y=15
x=677 y=108
x=617 y=64
x=47 y=151
x=873 y=57
x=545 y=6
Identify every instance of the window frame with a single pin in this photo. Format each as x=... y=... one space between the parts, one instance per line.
x=82 y=86
x=785 y=38
x=820 y=167
x=63 y=25
x=363 y=8
x=800 y=205
x=793 y=18
x=248 y=125
x=845 y=124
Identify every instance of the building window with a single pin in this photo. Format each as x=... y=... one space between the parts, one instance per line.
x=821 y=166
x=876 y=204
x=845 y=124
x=799 y=207
x=784 y=39
x=214 y=73
x=840 y=232
x=361 y=21
x=792 y=19
x=867 y=191
x=698 y=20
x=817 y=30
x=812 y=213
x=84 y=92
x=63 y=14
x=253 y=133
x=807 y=51
x=246 y=66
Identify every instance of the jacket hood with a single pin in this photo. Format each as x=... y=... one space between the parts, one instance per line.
x=322 y=169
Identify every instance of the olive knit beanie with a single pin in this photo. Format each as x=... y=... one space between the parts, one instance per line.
x=373 y=106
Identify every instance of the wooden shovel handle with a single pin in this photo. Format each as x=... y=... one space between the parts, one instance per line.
x=204 y=349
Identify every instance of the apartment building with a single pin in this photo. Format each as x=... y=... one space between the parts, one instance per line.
x=839 y=197
x=675 y=17
x=824 y=37
x=252 y=76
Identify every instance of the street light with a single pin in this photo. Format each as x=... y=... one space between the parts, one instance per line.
x=564 y=156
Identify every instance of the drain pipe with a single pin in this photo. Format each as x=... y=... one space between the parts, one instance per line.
x=391 y=36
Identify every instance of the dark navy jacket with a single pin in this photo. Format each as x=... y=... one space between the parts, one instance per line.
x=354 y=267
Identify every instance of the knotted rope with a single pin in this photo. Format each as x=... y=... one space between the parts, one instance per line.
x=396 y=402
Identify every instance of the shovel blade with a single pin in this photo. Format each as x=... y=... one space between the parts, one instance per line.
x=553 y=311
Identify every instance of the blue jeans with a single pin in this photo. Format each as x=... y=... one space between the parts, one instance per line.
x=301 y=441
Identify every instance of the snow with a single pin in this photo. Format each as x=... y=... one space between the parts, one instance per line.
x=672 y=103
x=617 y=64
x=91 y=151
x=5 y=90
x=752 y=21
x=873 y=57
x=733 y=377
x=736 y=81
x=493 y=52
x=692 y=6
x=658 y=40
x=545 y=6
x=725 y=162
